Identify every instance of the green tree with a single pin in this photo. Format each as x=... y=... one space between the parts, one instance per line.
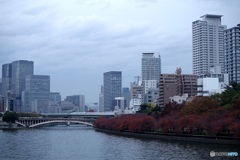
x=227 y=98
x=145 y=108
x=10 y=117
x=156 y=111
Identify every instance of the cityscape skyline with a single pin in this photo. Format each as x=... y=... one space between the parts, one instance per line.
x=76 y=42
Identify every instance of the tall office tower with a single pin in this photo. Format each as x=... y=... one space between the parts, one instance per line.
x=151 y=66
x=77 y=100
x=6 y=78
x=37 y=87
x=20 y=69
x=8 y=98
x=0 y=86
x=1 y=97
x=151 y=70
x=208 y=45
x=13 y=76
x=112 y=87
x=232 y=53
x=1 y=104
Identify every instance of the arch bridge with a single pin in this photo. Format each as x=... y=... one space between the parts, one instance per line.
x=32 y=122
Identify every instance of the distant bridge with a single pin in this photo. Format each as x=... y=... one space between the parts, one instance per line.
x=87 y=118
x=32 y=122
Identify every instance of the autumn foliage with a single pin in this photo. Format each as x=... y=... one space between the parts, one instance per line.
x=132 y=123
x=201 y=116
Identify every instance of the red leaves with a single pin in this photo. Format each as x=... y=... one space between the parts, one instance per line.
x=200 y=105
x=222 y=125
x=235 y=127
x=201 y=116
x=133 y=123
x=171 y=108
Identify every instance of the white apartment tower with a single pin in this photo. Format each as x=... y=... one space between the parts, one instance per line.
x=208 y=45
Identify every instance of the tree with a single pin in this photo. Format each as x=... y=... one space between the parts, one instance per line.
x=236 y=103
x=171 y=108
x=145 y=108
x=10 y=117
x=154 y=110
x=229 y=96
x=200 y=105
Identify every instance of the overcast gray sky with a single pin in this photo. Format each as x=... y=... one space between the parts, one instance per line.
x=76 y=41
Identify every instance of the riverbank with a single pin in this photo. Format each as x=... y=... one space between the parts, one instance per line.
x=177 y=137
x=5 y=126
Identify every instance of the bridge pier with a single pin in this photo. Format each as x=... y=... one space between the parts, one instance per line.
x=68 y=123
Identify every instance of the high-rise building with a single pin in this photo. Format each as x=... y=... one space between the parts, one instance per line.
x=208 y=45
x=1 y=104
x=13 y=78
x=20 y=69
x=232 y=53
x=1 y=98
x=167 y=88
x=112 y=88
x=101 y=100
x=77 y=100
x=0 y=86
x=127 y=96
x=176 y=85
x=151 y=66
x=37 y=87
x=151 y=70
x=6 y=78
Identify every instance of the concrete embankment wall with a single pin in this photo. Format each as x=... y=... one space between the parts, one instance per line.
x=177 y=137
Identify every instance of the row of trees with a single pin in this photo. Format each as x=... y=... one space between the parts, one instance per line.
x=132 y=123
x=203 y=115
x=216 y=115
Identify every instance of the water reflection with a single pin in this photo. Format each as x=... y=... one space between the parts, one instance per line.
x=82 y=142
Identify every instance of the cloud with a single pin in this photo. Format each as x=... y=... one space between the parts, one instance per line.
x=76 y=41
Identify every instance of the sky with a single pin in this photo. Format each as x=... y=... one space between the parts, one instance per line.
x=76 y=41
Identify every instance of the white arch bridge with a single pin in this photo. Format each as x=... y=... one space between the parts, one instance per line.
x=32 y=122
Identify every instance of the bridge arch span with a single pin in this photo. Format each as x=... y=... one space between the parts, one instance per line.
x=21 y=124
x=60 y=121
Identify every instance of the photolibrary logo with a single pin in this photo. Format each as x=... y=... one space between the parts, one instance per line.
x=223 y=154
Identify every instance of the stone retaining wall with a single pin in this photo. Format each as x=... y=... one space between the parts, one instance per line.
x=178 y=137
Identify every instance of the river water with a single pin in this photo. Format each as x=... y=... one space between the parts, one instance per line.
x=84 y=143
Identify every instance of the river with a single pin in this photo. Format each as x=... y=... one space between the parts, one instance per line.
x=84 y=143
